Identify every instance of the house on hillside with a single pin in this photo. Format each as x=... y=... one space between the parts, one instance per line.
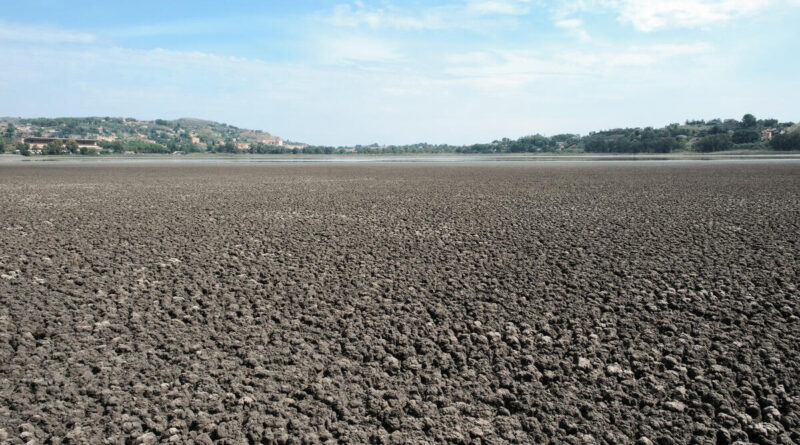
x=39 y=142
x=768 y=133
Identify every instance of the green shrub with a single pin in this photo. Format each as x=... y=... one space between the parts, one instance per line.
x=714 y=142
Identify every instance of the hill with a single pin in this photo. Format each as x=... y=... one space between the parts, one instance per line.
x=187 y=134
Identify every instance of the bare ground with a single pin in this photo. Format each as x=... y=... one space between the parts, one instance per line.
x=528 y=303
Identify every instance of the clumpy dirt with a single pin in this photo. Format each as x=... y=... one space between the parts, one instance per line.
x=480 y=303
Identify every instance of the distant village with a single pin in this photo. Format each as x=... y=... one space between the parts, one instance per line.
x=131 y=136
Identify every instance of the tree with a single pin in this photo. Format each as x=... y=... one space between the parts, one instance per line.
x=53 y=147
x=72 y=146
x=714 y=142
x=786 y=141
x=24 y=149
x=749 y=121
x=10 y=130
x=663 y=145
x=745 y=136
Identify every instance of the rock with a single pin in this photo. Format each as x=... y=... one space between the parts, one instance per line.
x=584 y=363
x=644 y=441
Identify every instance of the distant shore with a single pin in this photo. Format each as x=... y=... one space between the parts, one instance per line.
x=432 y=157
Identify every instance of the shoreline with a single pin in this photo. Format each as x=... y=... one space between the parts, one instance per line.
x=7 y=159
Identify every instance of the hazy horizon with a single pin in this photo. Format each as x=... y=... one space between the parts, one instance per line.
x=457 y=72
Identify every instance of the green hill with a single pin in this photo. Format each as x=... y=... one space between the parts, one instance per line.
x=195 y=134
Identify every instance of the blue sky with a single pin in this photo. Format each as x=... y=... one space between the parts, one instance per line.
x=451 y=71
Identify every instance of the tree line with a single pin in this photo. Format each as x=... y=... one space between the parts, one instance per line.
x=695 y=135
x=700 y=136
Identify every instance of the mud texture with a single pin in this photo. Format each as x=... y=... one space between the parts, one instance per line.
x=488 y=303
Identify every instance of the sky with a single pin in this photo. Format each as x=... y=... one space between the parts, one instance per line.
x=401 y=72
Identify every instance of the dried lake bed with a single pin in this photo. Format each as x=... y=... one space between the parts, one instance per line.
x=394 y=302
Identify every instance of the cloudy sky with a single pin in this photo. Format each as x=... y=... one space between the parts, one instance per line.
x=454 y=71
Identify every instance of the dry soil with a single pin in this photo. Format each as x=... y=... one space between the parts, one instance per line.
x=584 y=302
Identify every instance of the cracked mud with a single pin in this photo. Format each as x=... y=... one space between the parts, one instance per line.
x=478 y=303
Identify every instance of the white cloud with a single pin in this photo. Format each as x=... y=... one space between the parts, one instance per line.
x=655 y=55
x=352 y=17
x=473 y=14
x=357 y=50
x=504 y=72
x=569 y=23
x=652 y=15
x=162 y=29
x=497 y=7
x=575 y=27
x=500 y=70
x=41 y=34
